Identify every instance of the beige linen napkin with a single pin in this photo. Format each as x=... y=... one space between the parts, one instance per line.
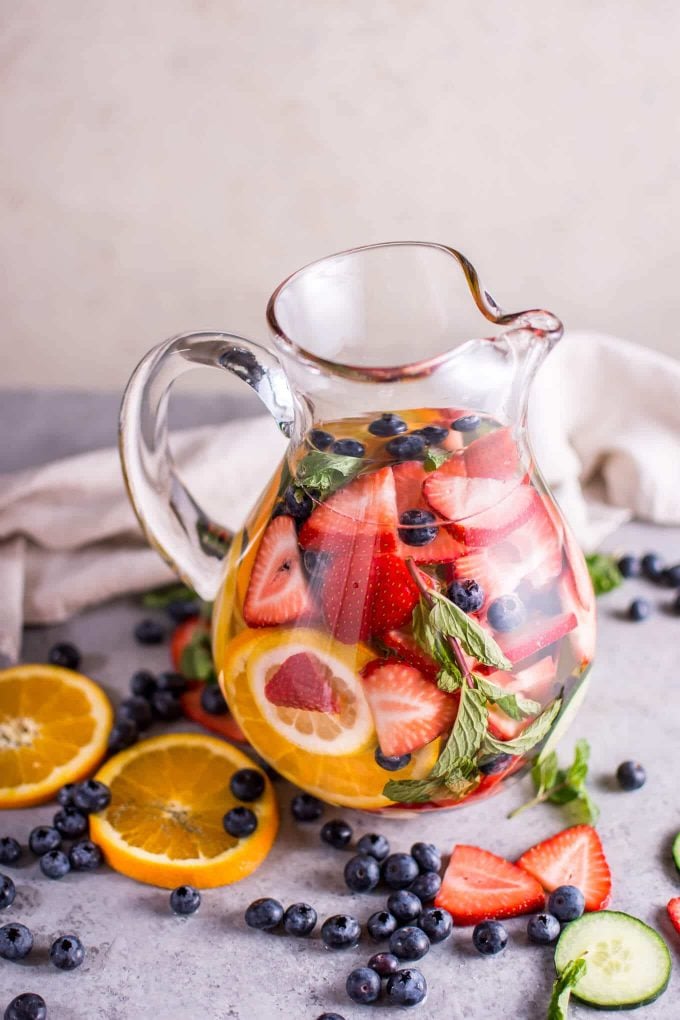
x=604 y=420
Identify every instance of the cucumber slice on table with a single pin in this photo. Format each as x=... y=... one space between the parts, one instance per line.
x=627 y=963
x=676 y=851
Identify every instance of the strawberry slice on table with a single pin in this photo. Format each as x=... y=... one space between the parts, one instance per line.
x=277 y=591
x=408 y=709
x=409 y=651
x=494 y=455
x=534 y=636
x=303 y=681
x=673 y=909
x=478 y=885
x=409 y=477
x=365 y=508
x=223 y=725
x=574 y=856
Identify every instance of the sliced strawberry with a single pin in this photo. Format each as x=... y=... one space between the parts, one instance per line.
x=409 y=651
x=494 y=455
x=535 y=682
x=409 y=477
x=394 y=596
x=673 y=909
x=573 y=857
x=408 y=710
x=347 y=589
x=365 y=508
x=482 y=510
x=277 y=592
x=303 y=681
x=576 y=594
x=534 y=636
x=223 y=725
x=478 y=885
x=182 y=636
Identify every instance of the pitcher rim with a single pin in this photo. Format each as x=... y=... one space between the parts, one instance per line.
x=541 y=323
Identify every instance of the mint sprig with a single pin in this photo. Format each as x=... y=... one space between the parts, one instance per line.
x=434 y=458
x=326 y=472
x=161 y=598
x=604 y=573
x=196 y=661
x=562 y=989
x=564 y=785
x=515 y=705
x=530 y=735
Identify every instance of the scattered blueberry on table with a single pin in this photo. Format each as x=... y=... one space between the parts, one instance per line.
x=70 y=823
x=240 y=822
x=381 y=924
x=426 y=856
x=55 y=864
x=149 y=632
x=375 y=845
x=85 y=856
x=264 y=914
x=426 y=886
x=16 y=941
x=384 y=964
x=65 y=654
x=27 y=1006
x=213 y=701
x=543 y=929
x=363 y=985
x=566 y=903
x=306 y=808
x=639 y=610
x=247 y=784
x=631 y=775
x=399 y=870
x=409 y=943
x=404 y=905
x=489 y=937
x=299 y=920
x=91 y=796
x=336 y=833
x=437 y=923
x=406 y=988
x=362 y=873
x=340 y=931
x=67 y=952
x=185 y=900
x=10 y=850
x=42 y=839
x=7 y=891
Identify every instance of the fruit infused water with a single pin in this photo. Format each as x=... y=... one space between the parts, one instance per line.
x=405 y=617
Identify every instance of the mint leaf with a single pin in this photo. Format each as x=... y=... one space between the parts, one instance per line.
x=583 y=810
x=196 y=661
x=514 y=705
x=575 y=775
x=447 y=618
x=544 y=772
x=604 y=573
x=435 y=458
x=457 y=758
x=565 y=787
x=449 y=682
x=437 y=646
x=562 y=988
x=160 y=598
x=414 y=791
x=326 y=472
x=529 y=737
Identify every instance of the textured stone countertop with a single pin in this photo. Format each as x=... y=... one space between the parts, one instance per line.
x=142 y=962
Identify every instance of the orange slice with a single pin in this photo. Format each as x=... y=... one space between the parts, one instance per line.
x=164 y=823
x=54 y=725
x=329 y=754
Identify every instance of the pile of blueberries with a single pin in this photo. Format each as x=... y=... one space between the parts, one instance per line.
x=651 y=567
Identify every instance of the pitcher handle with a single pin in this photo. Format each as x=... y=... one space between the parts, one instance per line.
x=170 y=517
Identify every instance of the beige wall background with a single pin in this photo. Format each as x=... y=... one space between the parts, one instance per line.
x=166 y=162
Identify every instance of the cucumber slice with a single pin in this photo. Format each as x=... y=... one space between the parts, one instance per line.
x=676 y=851
x=627 y=963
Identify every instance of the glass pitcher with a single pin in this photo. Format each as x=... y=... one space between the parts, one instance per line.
x=405 y=619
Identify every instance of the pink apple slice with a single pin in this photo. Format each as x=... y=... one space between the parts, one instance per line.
x=535 y=636
x=535 y=682
x=482 y=511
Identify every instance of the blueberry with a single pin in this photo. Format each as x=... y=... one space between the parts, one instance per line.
x=165 y=706
x=10 y=850
x=247 y=784
x=16 y=941
x=67 y=952
x=411 y=534
x=298 y=503
x=391 y=763
x=239 y=822
x=124 y=733
x=185 y=900
x=543 y=929
x=320 y=439
x=671 y=576
x=142 y=683
x=404 y=905
x=330 y=1016
x=363 y=986
x=213 y=701
x=384 y=964
x=432 y=434
x=315 y=562
x=468 y=423
x=65 y=794
x=406 y=988
x=348 y=448
x=381 y=925
x=85 y=856
x=629 y=566
x=91 y=796
x=409 y=943
x=506 y=613
x=631 y=775
x=149 y=632
x=493 y=765
x=7 y=891
x=375 y=845
x=299 y=920
x=264 y=914
x=467 y=595
x=652 y=566
x=27 y=1006
x=172 y=683
x=638 y=610
x=136 y=709
x=340 y=931
x=437 y=923
x=362 y=873
x=676 y=604
x=65 y=654
x=388 y=425
x=426 y=856
x=399 y=870
x=336 y=832
x=55 y=864
x=306 y=808
x=70 y=823
x=42 y=839
x=566 y=903
x=181 y=610
x=426 y=886
x=489 y=938
x=406 y=447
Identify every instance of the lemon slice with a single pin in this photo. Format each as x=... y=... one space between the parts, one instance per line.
x=54 y=725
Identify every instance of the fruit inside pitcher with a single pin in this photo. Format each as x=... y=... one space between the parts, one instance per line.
x=405 y=617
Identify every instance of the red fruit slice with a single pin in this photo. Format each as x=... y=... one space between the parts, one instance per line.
x=346 y=592
x=409 y=651
x=409 y=477
x=535 y=682
x=277 y=592
x=408 y=710
x=366 y=508
x=478 y=885
x=482 y=510
x=182 y=635
x=534 y=636
x=576 y=594
x=303 y=681
x=394 y=596
x=673 y=909
x=494 y=455
x=222 y=725
x=573 y=857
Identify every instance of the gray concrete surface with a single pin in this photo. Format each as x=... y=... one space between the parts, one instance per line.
x=142 y=962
